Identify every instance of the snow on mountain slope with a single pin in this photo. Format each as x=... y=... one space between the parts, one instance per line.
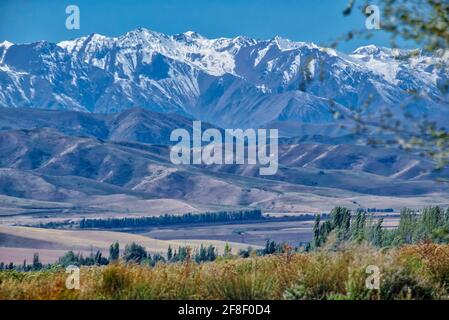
x=226 y=81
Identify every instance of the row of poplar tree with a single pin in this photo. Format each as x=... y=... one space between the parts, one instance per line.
x=430 y=224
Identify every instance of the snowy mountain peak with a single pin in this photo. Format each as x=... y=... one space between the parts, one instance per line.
x=6 y=44
x=143 y=34
x=286 y=44
x=3 y=48
x=373 y=51
x=193 y=35
x=369 y=49
x=226 y=81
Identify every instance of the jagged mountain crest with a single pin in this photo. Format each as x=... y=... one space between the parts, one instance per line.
x=226 y=81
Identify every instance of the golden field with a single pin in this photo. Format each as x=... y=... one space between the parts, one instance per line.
x=53 y=243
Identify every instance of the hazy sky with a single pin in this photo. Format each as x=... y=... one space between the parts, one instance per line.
x=318 y=21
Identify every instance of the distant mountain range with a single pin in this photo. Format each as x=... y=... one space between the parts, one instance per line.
x=137 y=125
x=78 y=163
x=238 y=82
x=104 y=146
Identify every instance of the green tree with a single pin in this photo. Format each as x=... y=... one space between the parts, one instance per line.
x=211 y=253
x=357 y=232
x=37 y=265
x=227 y=250
x=325 y=229
x=316 y=231
x=169 y=253
x=183 y=253
x=69 y=258
x=201 y=255
x=99 y=260
x=134 y=253
x=157 y=258
x=114 y=252
x=377 y=236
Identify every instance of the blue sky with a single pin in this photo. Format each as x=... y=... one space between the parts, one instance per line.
x=318 y=21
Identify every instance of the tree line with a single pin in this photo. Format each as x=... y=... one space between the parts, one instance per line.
x=135 y=253
x=430 y=224
x=166 y=219
x=255 y=215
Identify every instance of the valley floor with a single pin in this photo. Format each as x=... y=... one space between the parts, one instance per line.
x=20 y=243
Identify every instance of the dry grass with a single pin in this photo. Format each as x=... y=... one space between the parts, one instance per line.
x=412 y=272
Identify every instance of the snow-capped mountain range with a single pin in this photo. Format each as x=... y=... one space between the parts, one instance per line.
x=229 y=82
x=106 y=149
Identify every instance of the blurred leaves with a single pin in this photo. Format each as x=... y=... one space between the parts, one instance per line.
x=424 y=23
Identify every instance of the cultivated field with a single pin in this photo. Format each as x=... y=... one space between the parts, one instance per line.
x=19 y=243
